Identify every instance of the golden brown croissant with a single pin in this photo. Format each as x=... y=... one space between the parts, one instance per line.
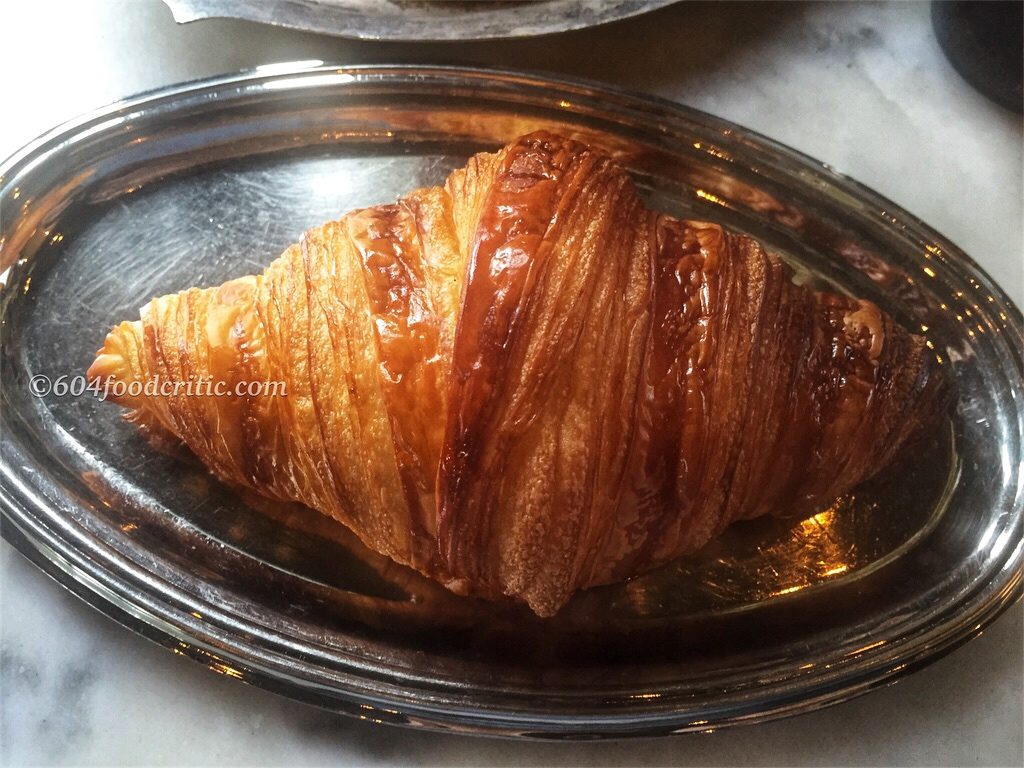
x=525 y=383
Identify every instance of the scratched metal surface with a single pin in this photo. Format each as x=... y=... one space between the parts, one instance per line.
x=419 y=19
x=211 y=182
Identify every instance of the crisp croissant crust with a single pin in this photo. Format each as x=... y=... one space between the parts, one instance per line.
x=525 y=383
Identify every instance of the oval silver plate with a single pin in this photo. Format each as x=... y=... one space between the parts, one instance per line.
x=420 y=19
x=207 y=181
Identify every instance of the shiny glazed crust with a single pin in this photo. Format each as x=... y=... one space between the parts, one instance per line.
x=525 y=383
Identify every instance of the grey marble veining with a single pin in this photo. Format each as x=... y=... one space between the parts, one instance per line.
x=862 y=87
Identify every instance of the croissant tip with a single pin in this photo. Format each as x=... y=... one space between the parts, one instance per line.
x=111 y=364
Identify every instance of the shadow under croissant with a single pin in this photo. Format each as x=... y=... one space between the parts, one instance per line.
x=684 y=608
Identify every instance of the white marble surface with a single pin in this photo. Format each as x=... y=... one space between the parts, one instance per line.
x=862 y=87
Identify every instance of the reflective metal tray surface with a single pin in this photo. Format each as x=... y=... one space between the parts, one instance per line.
x=207 y=181
x=420 y=19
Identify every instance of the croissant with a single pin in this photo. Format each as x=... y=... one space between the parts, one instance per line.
x=524 y=383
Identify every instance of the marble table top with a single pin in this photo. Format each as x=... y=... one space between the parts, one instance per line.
x=864 y=88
